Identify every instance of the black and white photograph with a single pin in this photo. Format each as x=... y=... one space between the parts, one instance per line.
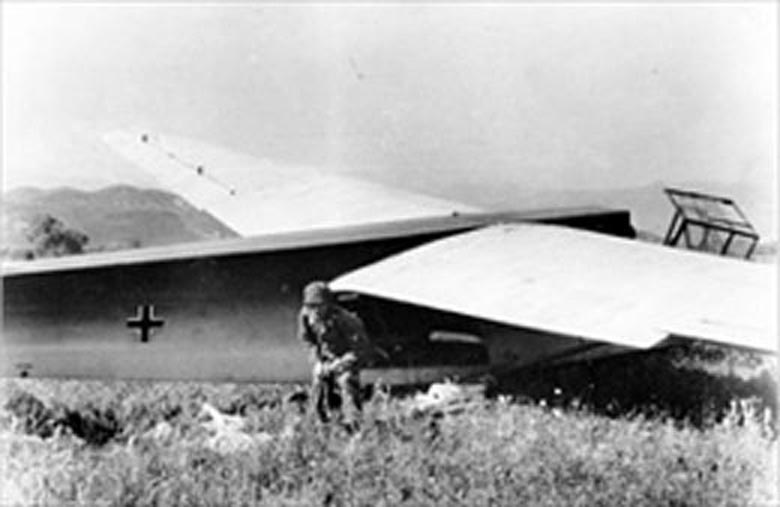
x=384 y=254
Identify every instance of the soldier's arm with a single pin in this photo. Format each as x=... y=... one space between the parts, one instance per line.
x=359 y=337
x=306 y=336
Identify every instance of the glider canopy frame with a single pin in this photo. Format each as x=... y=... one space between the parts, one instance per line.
x=711 y=213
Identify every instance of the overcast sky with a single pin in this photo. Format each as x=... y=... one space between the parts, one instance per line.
x=528 y=95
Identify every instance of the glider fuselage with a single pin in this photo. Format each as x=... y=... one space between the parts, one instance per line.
x=229 y=314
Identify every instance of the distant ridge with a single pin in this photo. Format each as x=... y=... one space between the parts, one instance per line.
x=123 y=216
x=116 y=217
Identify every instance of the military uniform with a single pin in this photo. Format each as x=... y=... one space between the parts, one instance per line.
x=338 y=344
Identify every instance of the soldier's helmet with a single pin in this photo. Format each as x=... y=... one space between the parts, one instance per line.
x=317 y=293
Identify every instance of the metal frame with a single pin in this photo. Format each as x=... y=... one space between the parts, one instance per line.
x=694 y=209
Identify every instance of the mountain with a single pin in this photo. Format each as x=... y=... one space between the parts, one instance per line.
x=124 y=216
x=113 y=218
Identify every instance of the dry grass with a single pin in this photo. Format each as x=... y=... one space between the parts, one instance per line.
x=495 y=453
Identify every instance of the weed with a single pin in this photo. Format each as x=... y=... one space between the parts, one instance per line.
x=493 y=453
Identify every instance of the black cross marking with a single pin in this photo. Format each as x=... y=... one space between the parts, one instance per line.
x=145 y=321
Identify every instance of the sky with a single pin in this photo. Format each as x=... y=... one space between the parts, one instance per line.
x=443 y=98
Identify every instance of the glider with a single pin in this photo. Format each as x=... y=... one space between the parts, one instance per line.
x=445 y=289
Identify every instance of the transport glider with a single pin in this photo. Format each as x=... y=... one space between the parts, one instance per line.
x=445 y=289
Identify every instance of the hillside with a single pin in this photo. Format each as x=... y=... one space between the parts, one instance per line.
x=114 y=218
x=124 y=216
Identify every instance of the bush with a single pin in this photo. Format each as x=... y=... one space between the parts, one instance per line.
x=51 y=238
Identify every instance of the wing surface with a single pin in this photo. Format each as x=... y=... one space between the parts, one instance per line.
x=582 y=284
x=255 y=197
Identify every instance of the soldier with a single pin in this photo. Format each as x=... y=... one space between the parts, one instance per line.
x=338 y=344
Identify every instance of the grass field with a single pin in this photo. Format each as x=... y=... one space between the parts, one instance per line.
x=155 y=449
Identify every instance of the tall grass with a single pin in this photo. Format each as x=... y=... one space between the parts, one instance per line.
x=494 y=453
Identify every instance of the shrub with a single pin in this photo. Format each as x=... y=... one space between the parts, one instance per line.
x=51 y=238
